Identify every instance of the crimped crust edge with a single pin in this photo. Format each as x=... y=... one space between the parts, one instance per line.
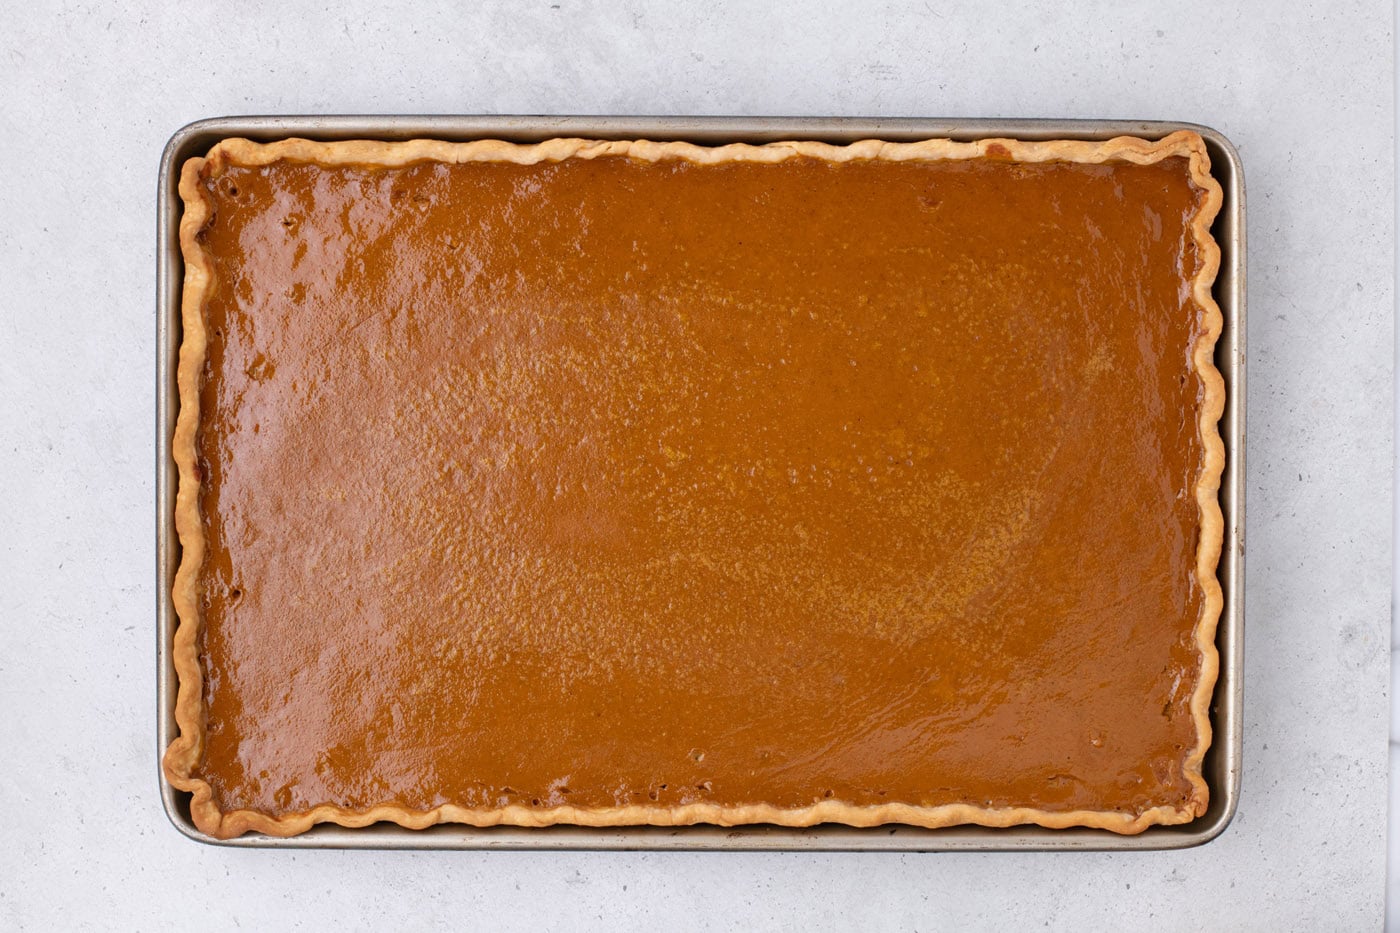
x=184 y=753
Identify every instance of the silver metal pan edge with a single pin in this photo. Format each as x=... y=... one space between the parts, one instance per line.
x=1223 y=762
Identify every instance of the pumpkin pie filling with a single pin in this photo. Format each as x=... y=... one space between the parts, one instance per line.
x=637 y=484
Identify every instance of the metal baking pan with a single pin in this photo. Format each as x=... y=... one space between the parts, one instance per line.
x=1222 y=763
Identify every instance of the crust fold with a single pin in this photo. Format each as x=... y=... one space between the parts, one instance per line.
x=182 y=757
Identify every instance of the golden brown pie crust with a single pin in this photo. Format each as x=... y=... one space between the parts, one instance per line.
x=185 y=752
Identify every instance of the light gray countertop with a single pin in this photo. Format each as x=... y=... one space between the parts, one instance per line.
x=90 y=93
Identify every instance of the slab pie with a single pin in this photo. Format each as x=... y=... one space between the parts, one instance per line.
x=632 y=482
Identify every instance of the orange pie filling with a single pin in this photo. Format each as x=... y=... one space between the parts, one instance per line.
x=630 y=486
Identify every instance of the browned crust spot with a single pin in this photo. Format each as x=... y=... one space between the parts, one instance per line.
x=186 y=750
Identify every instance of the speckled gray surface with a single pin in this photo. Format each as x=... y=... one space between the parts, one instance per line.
x=91 y=93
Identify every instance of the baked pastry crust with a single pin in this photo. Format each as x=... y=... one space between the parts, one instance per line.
x=185 y=752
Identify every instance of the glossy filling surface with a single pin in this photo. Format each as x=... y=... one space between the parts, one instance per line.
x=609 y=482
